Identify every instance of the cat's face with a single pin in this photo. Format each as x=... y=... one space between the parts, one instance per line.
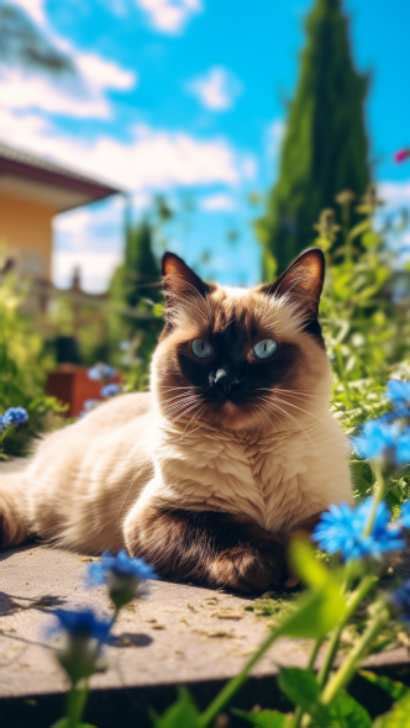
x=241 y=358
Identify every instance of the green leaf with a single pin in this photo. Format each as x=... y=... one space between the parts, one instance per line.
x=302 y=689
x=307 y=566
x=182 y=713
x=398 y=716
x=263 y=718
x=320 y=610
x=346 y=712
x=299 y=685
x=394 y=688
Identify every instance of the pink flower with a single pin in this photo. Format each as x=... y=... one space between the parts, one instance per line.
x=402 y=155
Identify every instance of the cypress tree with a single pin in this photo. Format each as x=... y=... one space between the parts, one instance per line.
x=131 y=290
x=325 y=148
x=140 y=264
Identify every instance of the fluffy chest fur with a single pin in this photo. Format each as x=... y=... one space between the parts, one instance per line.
x=274 y=480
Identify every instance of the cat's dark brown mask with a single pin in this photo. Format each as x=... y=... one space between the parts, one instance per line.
x=237 y=356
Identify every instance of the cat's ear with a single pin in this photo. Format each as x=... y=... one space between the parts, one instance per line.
x=302 y=280
x=180 y=280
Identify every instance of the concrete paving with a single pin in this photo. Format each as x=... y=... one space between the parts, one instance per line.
x=176 y=634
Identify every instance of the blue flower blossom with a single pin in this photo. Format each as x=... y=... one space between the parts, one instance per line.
x=403 y=447
x=381 y=438
x=2 y=423
x=341 y=530
x=122 y=574
x=81 y=624
x=401 y=601
x=110 y=390
x=14 y=416
x=101 y=372
x=374 y=439
x=398 y=392
x=86 y=634
x=404 y=518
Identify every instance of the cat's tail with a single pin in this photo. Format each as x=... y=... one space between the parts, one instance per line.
x=14 y=521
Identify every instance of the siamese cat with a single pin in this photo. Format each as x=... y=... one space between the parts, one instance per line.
x=232 y=449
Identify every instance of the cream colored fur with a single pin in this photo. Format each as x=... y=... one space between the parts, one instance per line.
x=88 y=485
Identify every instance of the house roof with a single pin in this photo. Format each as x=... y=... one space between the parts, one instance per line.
x=34 y=177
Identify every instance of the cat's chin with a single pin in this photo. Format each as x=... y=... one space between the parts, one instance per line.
x=231 y=416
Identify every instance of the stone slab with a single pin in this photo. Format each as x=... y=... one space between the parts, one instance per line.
x=177 y=633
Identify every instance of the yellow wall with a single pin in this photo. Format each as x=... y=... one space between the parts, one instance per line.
x=26 y=232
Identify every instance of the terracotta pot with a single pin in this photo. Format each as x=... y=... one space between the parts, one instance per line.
x=71 y=385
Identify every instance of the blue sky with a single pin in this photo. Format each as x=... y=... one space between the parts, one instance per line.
x=188 y=97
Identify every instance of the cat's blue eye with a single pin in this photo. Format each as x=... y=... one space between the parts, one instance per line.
x=265 y=348
x=201 y=348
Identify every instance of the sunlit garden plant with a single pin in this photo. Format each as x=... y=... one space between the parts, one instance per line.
x=85 y=633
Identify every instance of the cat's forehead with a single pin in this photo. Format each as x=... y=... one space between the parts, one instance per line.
x=245 y=308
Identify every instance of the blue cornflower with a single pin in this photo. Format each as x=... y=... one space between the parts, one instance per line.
x=375 y=438
x=403 y=447
x=381 y=438
x=101 y=372
x=401 y=601
x=398 y=392
x=2 y=423
x=123 y=575
x=404 y=518
x=86 y=633
x=14 y=416
x=341 y=530
x=110 y=390
x=82 y=623
x=385 y=534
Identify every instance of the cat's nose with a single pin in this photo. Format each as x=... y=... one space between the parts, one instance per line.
x=223 y=380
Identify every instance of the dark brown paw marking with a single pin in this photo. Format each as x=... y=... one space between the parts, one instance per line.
x=248 y=570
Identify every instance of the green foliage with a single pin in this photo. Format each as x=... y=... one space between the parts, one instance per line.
x=324 y=605
x=325 y=147
x=398 y=716
x=24 y=368
x=346 y=712
x=182 y=713
x=135 y=309
x=300 y=686
x=263 y=718
x=394 y=688
x=366 y=334
x=23 y=43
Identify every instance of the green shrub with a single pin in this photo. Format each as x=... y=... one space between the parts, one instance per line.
x=24 y=368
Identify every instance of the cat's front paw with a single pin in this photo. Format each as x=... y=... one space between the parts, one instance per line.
x=248 y=570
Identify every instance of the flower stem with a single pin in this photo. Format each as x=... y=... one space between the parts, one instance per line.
x=299 y=712
x=346 y=671
x=229 y=690
x=354 y=602
x=378 y=493
x=76 y=700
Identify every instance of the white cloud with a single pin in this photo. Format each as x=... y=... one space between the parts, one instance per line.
x=74 y=227
x=394 y=194
x=170 y=16
x=217 y=89
x=90 y=238
x=35 y=10
x=82 y=97
x=102 y=74
x=218 y=203
x=150 y=159
x=96 y=268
